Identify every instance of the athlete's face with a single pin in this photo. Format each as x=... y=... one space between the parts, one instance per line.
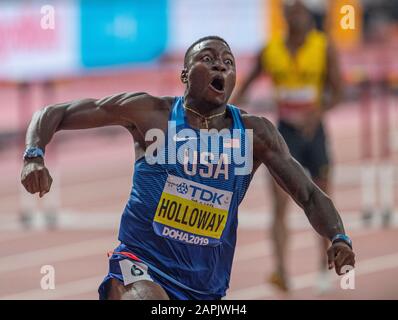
x=210 y=74
x=297 y=16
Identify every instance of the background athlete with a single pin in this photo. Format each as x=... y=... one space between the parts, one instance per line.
x=150 y=263
x=303 y=68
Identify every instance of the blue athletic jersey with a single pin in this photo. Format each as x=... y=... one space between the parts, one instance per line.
x=181 y=219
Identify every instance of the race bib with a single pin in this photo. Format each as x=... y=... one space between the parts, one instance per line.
x=133 y=271
x=191 y=212
x=295 y=104
x=302 y=95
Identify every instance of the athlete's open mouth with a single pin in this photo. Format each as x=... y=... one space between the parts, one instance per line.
x=218 y=83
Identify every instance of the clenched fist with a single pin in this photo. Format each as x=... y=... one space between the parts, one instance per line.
x=339 y=255
x=35 y=177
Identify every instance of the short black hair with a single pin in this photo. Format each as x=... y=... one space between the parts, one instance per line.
x=199 y=41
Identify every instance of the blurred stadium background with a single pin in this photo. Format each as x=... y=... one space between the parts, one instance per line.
x=99 y=48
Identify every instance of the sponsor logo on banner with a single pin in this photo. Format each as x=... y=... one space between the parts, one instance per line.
x=38 y=40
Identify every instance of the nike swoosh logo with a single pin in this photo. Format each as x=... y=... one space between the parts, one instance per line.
x=177 y=139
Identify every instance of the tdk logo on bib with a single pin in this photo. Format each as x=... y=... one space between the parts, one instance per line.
x=206 y=195
x=199 y=194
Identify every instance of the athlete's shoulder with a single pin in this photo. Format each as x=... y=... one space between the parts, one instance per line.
x=257 y=123
x=155 y=101
x=261 y=126
x=265 y=135
x=144 y=99
x=167 y=102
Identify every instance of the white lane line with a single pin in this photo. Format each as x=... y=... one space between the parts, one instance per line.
x=248 y=252
x=307 y=239
x=69 y=289
x=296 y=220
x=342 y=174
x=248 y=220
x=17 y=236
x=308 y=280
x=90 y=285
x=100 y=246
x=114 y=188
x=264 y=248
x=56 y=253
x=66 y=220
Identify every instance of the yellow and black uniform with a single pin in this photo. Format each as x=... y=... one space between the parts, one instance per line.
x=299 y=83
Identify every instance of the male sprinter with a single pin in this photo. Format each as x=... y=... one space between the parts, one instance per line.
x=178 y=229
x=302 y=66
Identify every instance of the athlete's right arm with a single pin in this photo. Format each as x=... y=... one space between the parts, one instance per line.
x=121 y=109
x=253 y=75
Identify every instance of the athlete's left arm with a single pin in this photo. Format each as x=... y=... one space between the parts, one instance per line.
x=271 y=149
x=333 y=78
